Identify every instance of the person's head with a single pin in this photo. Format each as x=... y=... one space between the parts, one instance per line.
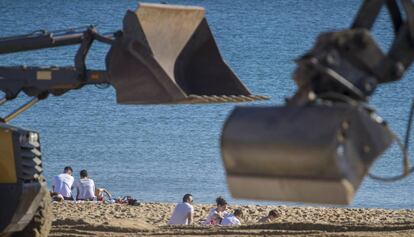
x=238 y=213
x=216 y=219
x=58 y=197
x=83 y=174
x=68 y=170
x=188 y=198
x=221 y=203
x=273 y=214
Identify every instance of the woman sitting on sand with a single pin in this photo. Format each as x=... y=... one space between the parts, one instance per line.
x=217 y=214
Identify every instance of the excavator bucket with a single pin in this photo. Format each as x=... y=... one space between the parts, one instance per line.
x=167 y=54
x=316 y=154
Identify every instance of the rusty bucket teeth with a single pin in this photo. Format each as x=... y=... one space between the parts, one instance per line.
x=167 y=54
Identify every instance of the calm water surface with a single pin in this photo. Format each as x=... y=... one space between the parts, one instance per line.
x=158 y=153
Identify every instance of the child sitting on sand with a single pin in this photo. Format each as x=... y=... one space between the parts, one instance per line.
x=233 y=219
x=273 y=214
x=216 y=219
x=220 y=210
x=102 y=194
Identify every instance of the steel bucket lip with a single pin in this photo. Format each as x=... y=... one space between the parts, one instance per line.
x=328 y=191
x=170 y=6
x=206 y=99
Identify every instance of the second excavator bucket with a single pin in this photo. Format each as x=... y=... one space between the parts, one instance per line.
x=167 y=54
x=316 y=154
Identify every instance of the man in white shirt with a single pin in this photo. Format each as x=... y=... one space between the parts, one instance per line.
x=183 y=212
x=62 y=183
x=85 y=187
x=233 y=219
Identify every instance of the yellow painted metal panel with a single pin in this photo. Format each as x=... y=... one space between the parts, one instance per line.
x=7 y=162
x=44 y=75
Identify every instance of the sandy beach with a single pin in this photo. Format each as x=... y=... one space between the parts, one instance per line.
x=97 y=219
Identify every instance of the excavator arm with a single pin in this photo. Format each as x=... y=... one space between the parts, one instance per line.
x=164 y=54
x=36 y=81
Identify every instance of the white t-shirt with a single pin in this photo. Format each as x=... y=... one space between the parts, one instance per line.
x=85 y=189
x=230 y=220
x=211 y=214
x=63 y=184
x=180 y=214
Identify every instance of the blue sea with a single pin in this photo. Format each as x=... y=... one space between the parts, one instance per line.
x=158 y=153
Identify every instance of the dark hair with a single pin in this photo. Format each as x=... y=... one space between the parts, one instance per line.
x=83 y=173
x=221 y=201
x=67 y=168
x=187 y=197
x=238 y=212
x=273 y=213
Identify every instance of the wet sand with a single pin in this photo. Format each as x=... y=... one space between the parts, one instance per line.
x=96 y=219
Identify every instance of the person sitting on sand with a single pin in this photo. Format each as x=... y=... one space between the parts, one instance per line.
x=85 y=187
x=273 y=214
x=103 y=195
x=56 y=197
x=219 y=210
x=183 y=212
x=233 y=219
x=62 y=183
x=216 y=219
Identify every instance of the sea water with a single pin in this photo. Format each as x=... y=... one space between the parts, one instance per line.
x=159 y=153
